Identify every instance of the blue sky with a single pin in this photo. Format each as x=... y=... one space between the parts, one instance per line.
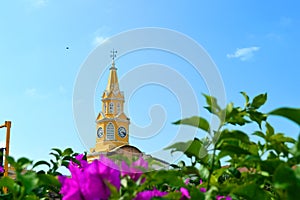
x=254 y=44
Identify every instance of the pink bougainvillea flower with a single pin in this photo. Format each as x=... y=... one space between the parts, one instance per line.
x=70 y=188
x=187 y=181
x=140 y=163
x=95 y=176
x=90 y=181
x=219 y=197
x=134 y=170
x=149 y=194
x=184 y=194
x=1 y=170
x=83 y=162
x=203 y=189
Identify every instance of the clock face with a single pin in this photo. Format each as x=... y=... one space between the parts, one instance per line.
x=122 y=132
x=100 y=132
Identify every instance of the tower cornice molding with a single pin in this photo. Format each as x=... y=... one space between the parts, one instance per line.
x=112 y=119
x=118 y=99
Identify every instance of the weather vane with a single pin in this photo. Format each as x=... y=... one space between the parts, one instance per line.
x=113 y=54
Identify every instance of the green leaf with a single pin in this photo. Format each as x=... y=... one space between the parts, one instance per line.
x=235 y=172
x=270 y=165
x=258 y=117
x=190 y=148
x=29 y=180
x=272 y=155
x=232 y=149
x=270 y=130
x=31 y=197
x=196 y=194
x=175 y=166
x=229 y=109
x=279 y=137
x=285 y=179
x=49 y=180
x=251 y=191
x=67 y=152
x=70 y=158
x=170 y=195
x=292 y=114
x=214 y=108
x=204 y=172
x=190 y=170
x=41 y=162
x=22 y=163
x=259 y=100
x=259 y=134
x=195 y=121
x=179 y=146
x=213 y=103
x=10 y=184
x=57 y=151
x=236 y=116
x=57 y=156
x=246 y=98
x=114 y=192
x=163 y=177
x=11 y=160
x=234 y=135
x=8 y=196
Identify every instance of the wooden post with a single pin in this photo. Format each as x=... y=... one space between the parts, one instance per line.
x=8 y=125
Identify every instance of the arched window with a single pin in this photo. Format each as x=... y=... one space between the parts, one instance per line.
x=110 y=132
x=111 y=107
x=118 y=108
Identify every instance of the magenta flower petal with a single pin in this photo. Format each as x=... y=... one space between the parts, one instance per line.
x=219 y=197
x=140 y=163
x=94 y=187
x=187 y=181
x=184 y=194
x=83 y=163
x=134 y=170
x=149 y=194
x=110 y=171
x=96 y=175
x=62 y=179
x=70 y=190
x=202 y=189
x=125 y=168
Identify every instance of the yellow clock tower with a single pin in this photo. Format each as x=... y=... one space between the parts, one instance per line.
x=112 y=125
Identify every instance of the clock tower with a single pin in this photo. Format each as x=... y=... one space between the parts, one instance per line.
x=112 y=125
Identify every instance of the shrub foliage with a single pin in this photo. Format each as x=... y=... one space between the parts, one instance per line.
x=228 y=163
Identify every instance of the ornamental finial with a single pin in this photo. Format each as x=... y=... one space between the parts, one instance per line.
x=113 y=54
